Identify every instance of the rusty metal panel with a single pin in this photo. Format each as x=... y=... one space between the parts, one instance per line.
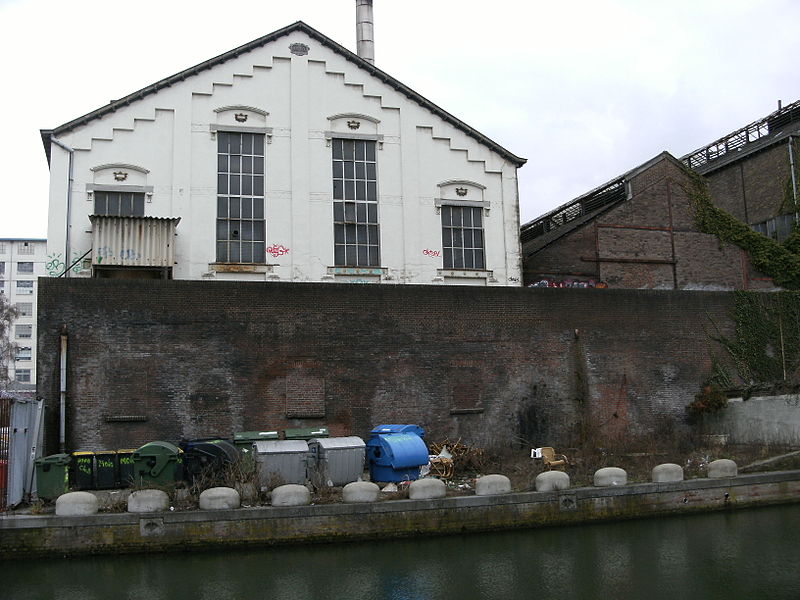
x=133 y=241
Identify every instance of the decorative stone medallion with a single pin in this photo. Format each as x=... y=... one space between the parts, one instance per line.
x=299 y=49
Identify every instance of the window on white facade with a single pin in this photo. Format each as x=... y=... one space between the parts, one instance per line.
x=23 y=331
x=2 y=268
x=119 y=204
x=24 y=353
x=25 y=308
x=241 y=228
x=25 y=248
x=356 y=234
x=2 y=247
x=24 y=267
x=22 y=375
x=462 y=237
x=2 y=287
x=24 y=287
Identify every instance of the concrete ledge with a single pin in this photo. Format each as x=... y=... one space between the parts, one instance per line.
x=26 y=536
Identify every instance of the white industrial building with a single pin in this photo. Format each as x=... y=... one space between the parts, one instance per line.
x=22 y=262
x=287 y=159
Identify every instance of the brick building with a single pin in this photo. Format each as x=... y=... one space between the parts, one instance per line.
x=638 y=230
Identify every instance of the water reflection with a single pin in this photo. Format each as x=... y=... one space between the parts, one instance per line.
x=746 y=554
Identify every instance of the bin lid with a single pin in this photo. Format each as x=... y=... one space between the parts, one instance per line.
x=398 y=428
x=253 y=436
x=83 y=453
x=281 y=446
x=54 y=459
x=335 y=443
x=305 y=433
x=402 y=450
x=158 y=449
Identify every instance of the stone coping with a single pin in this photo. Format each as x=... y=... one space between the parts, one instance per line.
x=16 y=521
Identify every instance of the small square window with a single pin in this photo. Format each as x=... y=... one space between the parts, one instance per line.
x=25 y=308
x=24 y=287
x=2 y=268
x=25 y=248
x=24 y=353
x=23 y=331
x=24 y=267
x=22 y=375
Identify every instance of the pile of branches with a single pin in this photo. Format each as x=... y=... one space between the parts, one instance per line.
x=466 y=458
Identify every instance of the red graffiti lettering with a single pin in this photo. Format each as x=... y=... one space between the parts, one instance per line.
x=277 y=250
x=433 y=253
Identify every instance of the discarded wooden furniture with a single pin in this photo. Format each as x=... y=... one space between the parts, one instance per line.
x=442 y=467
x=552 y=459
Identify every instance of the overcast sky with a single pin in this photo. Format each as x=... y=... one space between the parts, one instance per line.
x=585 y=90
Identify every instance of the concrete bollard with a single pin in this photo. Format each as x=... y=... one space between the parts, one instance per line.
x=490 y=485
x=427 y=489
x=723 y=467
x=148 y=501
x=550 y=481
x=360 y=491
x=609 y=476
x=77 y=504
x=219 y=498
x=666 y=472
x=291 y=494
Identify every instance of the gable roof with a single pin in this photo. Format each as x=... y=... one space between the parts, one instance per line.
x=546 y=229
x=262 y=41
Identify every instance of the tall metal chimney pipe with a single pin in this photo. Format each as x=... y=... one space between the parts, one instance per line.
x=365 y=35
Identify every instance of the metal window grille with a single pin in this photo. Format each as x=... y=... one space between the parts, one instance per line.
x=778 y=228
x=356 y=233
x=241 y=228
x=119 y=204
x=462 y=237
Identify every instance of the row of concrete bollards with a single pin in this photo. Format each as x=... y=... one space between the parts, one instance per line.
x=223 y=498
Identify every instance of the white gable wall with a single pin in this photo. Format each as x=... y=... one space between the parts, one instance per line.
x=168 y=136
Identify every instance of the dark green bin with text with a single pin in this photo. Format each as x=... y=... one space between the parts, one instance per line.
x=106 y=470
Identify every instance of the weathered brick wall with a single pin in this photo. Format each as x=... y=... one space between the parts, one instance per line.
x=493 y=366
x=649 y=241
x=752 y=189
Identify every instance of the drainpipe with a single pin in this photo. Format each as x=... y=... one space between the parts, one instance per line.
x=62 y=393
x=793 y=169
x=69 y=196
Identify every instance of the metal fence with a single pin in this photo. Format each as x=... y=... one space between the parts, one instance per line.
x=20 y=433
x=5 y=443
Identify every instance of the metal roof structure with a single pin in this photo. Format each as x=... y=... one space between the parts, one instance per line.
x=758 y=135
x=262 y=41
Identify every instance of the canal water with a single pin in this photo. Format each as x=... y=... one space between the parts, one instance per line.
x=748 y=554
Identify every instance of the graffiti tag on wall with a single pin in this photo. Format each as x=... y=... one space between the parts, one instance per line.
x=277 y=250
x=55 y=264
x=568 y=283
x=434 y=253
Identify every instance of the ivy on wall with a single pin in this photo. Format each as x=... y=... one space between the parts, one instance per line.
x=779 y=261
